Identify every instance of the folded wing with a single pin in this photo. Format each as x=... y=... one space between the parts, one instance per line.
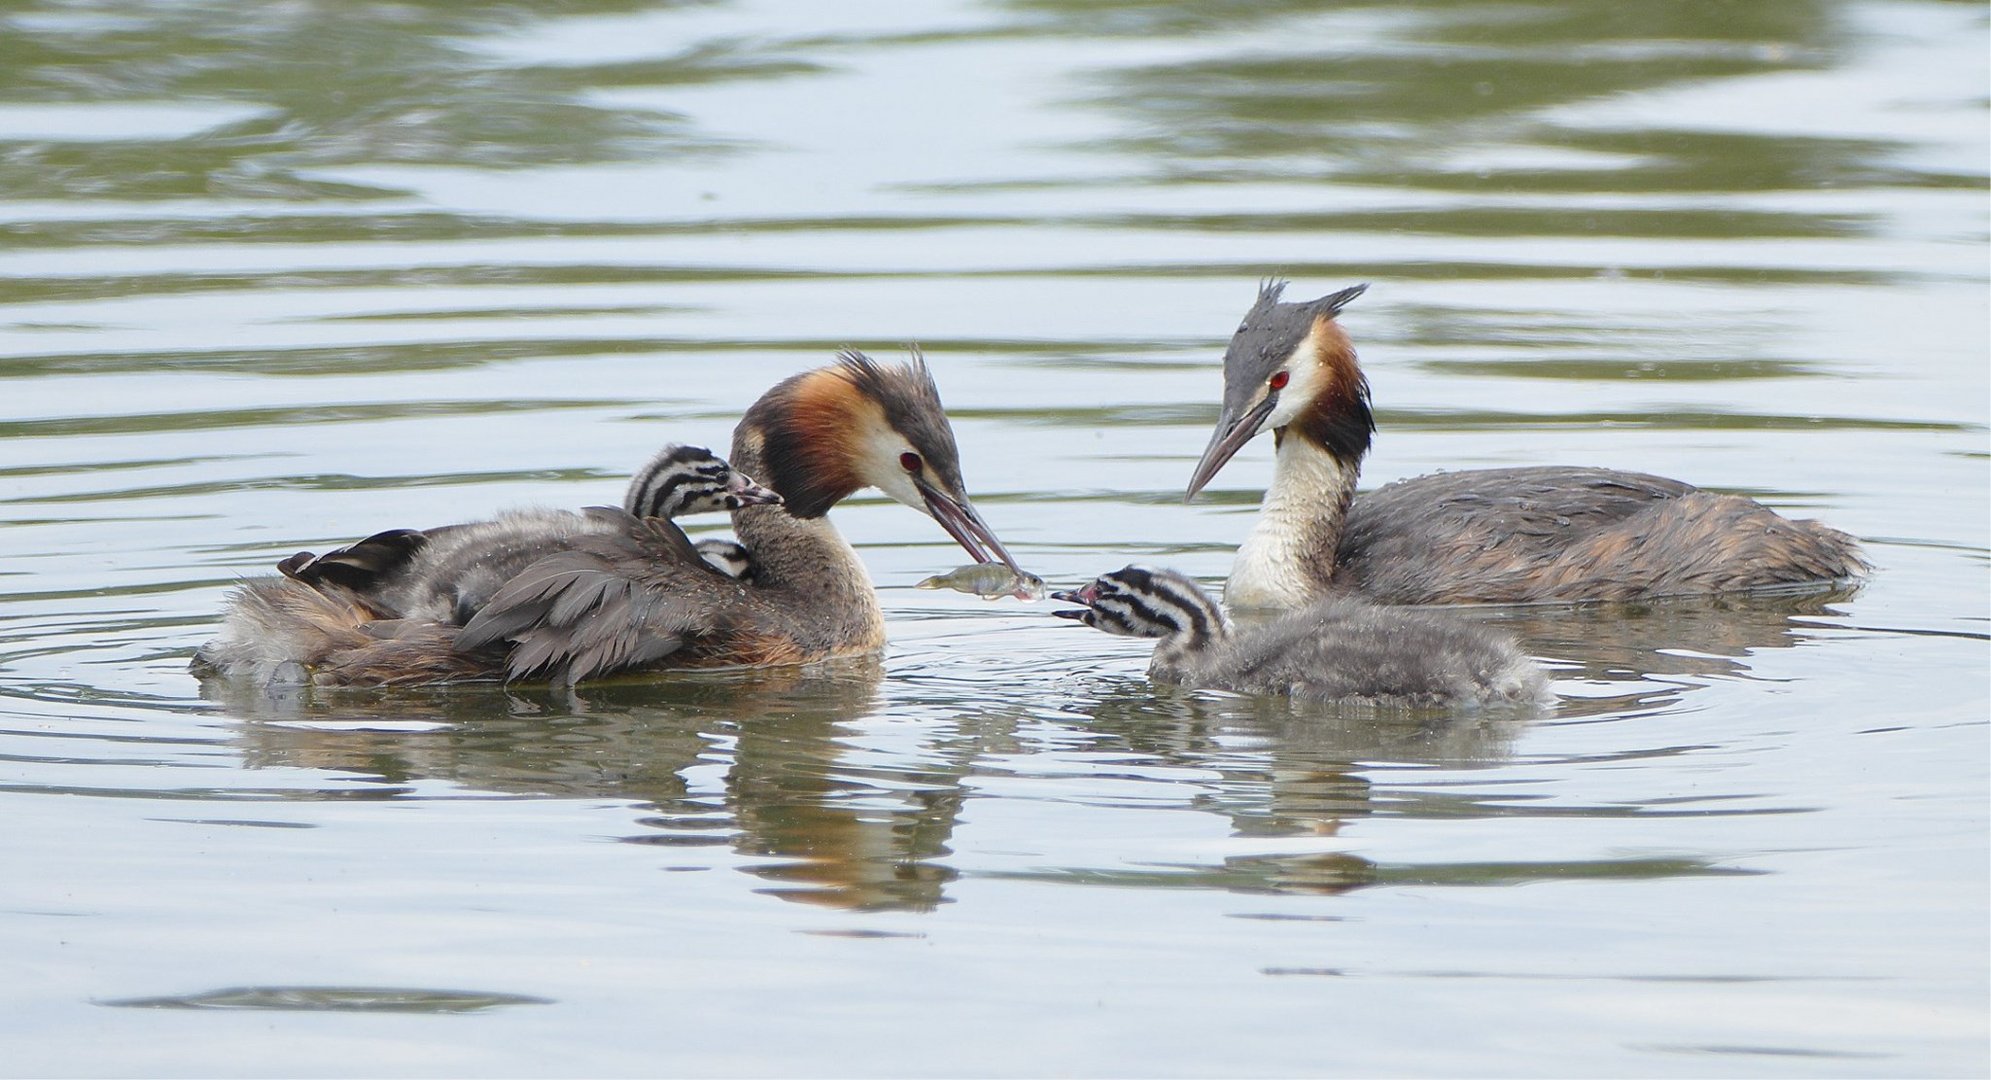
x=613 y=601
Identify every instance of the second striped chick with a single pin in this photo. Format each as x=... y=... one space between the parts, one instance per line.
x=1339 y=649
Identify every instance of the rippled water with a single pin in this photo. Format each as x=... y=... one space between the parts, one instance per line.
x=273 y=276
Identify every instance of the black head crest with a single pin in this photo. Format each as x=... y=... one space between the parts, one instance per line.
x=911 y=403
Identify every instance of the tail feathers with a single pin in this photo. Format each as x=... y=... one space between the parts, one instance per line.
x=274 y=624
x=408 y=654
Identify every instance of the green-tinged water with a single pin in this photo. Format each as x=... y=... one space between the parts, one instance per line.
x=277 y=275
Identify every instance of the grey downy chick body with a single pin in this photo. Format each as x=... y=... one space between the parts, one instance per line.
x=609 y=590
x=1514 y=535
x=1337 y=649
x=448 y=574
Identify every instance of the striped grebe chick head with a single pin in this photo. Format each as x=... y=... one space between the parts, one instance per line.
x=1138 y=601
x=684 y=480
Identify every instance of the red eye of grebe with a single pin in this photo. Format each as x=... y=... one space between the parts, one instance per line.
x=1280 y=379
x=909 y=461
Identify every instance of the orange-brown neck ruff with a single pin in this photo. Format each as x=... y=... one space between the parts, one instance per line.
x=802 y=438
x=809 y=427
x=1338 y=419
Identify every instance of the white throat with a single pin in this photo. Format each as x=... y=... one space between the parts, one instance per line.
x=1289 y=555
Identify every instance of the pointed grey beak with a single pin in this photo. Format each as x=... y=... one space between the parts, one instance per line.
x=751 y=494
x=959 y=518
x=1231 y=435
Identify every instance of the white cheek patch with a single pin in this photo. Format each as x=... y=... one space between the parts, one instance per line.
x=881 y=469
x=1306 y=375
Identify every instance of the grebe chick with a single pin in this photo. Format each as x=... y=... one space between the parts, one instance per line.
x=1340 y=648
x=447 y=574
x=1516 y=535
x=683 y=480
x=608 y=591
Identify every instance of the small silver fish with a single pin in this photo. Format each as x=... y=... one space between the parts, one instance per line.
x=988 y=580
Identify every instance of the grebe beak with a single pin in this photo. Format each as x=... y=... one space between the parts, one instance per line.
x=1086 y=595
x=959 y=518
x=752 y=494
x=1231 y=435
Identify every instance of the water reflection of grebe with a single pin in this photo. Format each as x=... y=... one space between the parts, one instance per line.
x=1283 y=769
x=1473 y=536
x=633 y=594
x=758 y=762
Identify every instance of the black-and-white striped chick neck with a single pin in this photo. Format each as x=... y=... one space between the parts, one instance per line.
x=684 y=480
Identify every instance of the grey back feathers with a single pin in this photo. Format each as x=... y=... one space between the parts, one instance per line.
x=1341 y=649
x=592 y=607
x=448 y=574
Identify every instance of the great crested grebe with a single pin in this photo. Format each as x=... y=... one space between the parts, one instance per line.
x=1339 y=648
x=1516 y=535
x=608 y=591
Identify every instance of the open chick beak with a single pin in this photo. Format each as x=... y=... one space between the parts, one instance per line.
x=959 y=518
x=1084 y=596
x=1231 y=435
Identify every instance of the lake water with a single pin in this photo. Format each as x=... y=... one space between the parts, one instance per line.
x=277 y=275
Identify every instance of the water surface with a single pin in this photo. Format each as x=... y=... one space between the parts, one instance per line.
x=273 y=276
